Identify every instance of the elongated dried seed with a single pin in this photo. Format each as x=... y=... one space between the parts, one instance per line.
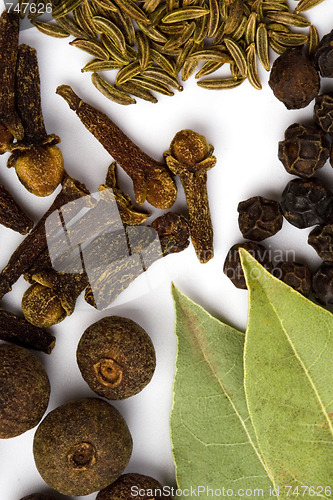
x=188 y=69
x=143 y=49
x=133 y=10
x=152 y=84
x=276 y=6
x=185 y=14
x=237 y=54
x=172 y=29
x=163 y=77
x=289 y=39
x=184 y=54
x=137 y=91
x=235 y=14
x=201 y=29
x=220 y=83
x=152 y=33
x=313 y=40
x=304 y=5
x=113 y=51
x=68 y=25
x=288 y=18
x=110 y=91
x=126 y=26
x=109 y=29
x=64 y=8
x=94 y=48
x=251 y=28
x=208 y=68
x=278 y=27
x=213 y=18
x=239 y=32
x=211 y=55
x=81 y=20
x=163 y=62
x=50 y=29
x=127 y=72
x=151 y=5
x=262 y=46
x=98 y=65
x=181 y=38
x=252 y=73
x=106 y=4
x=276 y=46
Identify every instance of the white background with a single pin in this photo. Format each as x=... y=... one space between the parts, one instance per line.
x=244 y=125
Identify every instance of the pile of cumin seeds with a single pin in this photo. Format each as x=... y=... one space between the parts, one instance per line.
x=154 y=43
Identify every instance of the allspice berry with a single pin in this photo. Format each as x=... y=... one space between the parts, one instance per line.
x=130 y=486
x=24 y=390
x=116 y=357
x=293 y=79
x=82 y=446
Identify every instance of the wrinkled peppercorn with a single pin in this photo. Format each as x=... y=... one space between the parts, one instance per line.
x=322 y=284
x=304 y=150
x=323 y=112
x=321 y=239
x=294 y=274
x=116 y=357
x=125 y=487
x=306 y=203
x=293 y=79
x=259 y=218
x=232 y=264
x=323 y=56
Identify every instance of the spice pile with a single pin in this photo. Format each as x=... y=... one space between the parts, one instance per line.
x=305 y=202
x=149 y=43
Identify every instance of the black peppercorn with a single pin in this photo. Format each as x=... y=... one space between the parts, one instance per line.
x=116 y=357
x=128 y=486
x=293 y=79
x=24 y=390
x=232 y=264
x=323 y=112
x=306 y=203
x=304 y=150
x=322 y=284
x=259 y=218
x=323 y=56
x=321 y=239
x=294 y=274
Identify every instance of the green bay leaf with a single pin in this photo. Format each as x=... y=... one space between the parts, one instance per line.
x=288 y=379
x=213 y=441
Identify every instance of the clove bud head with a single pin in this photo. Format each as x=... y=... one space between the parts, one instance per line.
x=40 y=168
x=42 y=307
x=189 y=147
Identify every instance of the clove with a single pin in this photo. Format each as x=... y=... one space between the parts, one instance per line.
x=36 y=158
x=189 y=157
x=18 y=331
x=12 y=215
x=10 y=123
x=151 y=179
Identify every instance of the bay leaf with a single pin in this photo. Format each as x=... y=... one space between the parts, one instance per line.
x=288 y=379
x=213 y=442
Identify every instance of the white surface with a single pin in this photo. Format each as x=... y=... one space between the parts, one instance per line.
x=244 y=125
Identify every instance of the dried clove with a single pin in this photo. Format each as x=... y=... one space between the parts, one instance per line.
x=52 y=298
x=189 y=157
x=151 y=179
x=12 y=215
x=10 y=123
x=20 y=332
x=35 y=242
x=37 y=160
